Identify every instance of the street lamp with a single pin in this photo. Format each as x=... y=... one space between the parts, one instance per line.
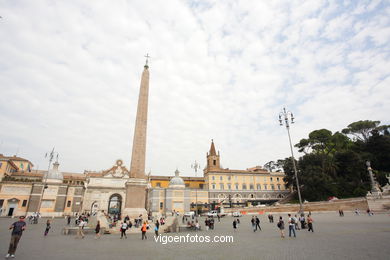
x=289 y=117
x=45 y=186
x=196 y=167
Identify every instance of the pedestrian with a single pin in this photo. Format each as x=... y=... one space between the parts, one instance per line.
x=238 y=221
x=234 y=225
x=156 y=227
x=302 y=220
x=258 y=223
x=206 y=223
x=253 y=221
x=269 y=218
x=357 y=213
x=97 y=230
x=291 y=225
x=219 y=218
x=272 y=218
x=280 y=225
x=80 y=232
x=296 y=222
x=123 y=229
x=68 y=220
x=17 y=230
x=310 y=223
x=143 y=230
x=48 y=226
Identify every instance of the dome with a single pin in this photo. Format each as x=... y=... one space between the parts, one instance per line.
x=177 y=181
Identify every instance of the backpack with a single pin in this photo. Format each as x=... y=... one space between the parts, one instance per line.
x=279 y=225
x=292 y=220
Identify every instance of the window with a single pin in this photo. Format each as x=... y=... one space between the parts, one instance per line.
x=271 y=179
x=158 y=184
x=213 y=186
x=161 y=205
x=213 y=178
x=221 y=186
x=278 y=186
x=1 y=164
x=229 y=186
x=229 y=178
x=251 y=187
x=24 y=203
x=277 y=179
x=272 y=187
x=236 y=186
x=214 y=162
x=265 y=178
x=220 y=178
x=200 y=186
x=258 y=186
x=265 y=186
x=243 y=178
x=21 y=166
x=68 y=203
x=244 y=186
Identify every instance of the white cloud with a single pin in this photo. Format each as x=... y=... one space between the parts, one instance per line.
x=70 y=74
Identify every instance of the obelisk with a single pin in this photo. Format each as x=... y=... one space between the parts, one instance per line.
x=136 y=186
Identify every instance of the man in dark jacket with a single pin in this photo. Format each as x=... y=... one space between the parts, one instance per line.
x=17 y=230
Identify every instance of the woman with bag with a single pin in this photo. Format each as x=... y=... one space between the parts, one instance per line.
x=281 y=226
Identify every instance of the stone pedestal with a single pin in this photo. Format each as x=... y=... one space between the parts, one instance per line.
x=135 y=198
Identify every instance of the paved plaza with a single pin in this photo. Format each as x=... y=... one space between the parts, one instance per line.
x=350 y=237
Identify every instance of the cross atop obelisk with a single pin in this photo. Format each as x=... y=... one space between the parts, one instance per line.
x=137 y=167
x=147 y=59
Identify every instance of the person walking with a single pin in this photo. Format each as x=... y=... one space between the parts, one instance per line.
x=257 y=223
x=68 y=220
x=156 y=227
x=302 y=220
x=280 y=225
x=97 y=230
x=143 y=230
x=123 y=229
x=296 y=222
x=17 y=230
x=80 y=232
x=48 y=226
x=253 y=221
x=291 y=225
x=310 y=223
x=234 y=225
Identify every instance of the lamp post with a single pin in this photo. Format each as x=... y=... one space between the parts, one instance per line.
x=288 y=117
x=196 y=167
x=51 y=157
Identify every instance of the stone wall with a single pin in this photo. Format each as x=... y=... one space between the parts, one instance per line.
x=344 y=204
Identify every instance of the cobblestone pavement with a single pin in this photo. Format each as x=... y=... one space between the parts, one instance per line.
x=351 y=237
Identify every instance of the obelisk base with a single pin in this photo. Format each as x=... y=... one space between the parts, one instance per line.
x=135 y=198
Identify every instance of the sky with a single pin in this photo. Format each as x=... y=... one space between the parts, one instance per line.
x=70 y=73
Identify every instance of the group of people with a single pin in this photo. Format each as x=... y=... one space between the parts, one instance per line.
x=33 y=218
x=293 y=224
x=209 y=223
x=255 y=223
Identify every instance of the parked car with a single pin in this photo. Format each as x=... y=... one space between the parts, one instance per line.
x=189 y=214
x=237 y=214
x=212 y=213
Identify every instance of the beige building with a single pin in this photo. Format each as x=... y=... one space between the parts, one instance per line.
x=176 y=197
x=253 y=186
x=10 y=164
x=52 y=194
